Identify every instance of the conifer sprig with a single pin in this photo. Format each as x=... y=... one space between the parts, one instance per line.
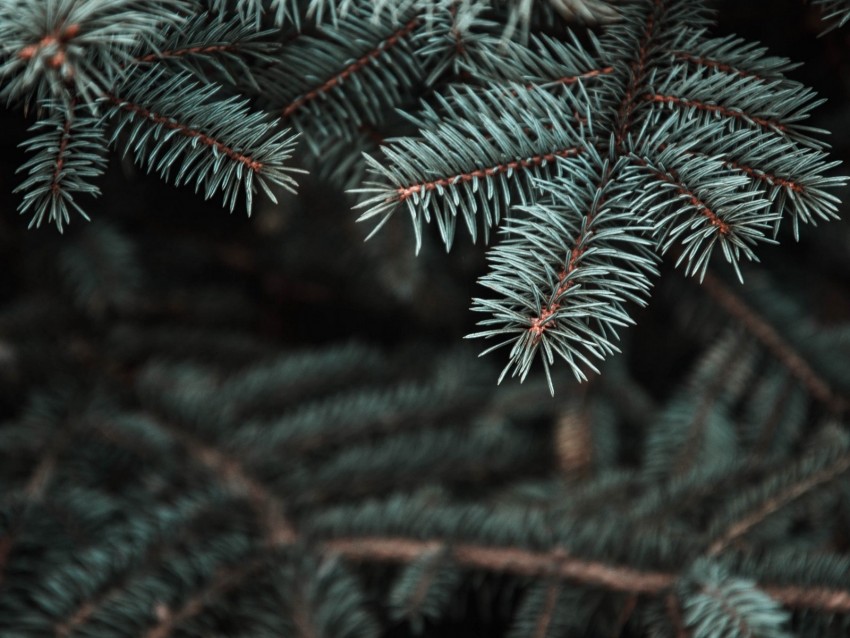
x=176 y=126
x=590 y=259
x=345 y=77
x=713 y=132
x=69 y=155
x=92 y=64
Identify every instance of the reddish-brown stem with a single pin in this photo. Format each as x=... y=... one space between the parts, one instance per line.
x=731 y=361
x=63 y=149
x=833 y=601
x=425 y=581
x=769 y=178
x=558 y=564
x=674 y=613
x=572 y=79
x=544 y=621
x=762 y=176
x=638 y=71
x=768 y=429
x=405 y=192
x=352 y=68
x=152 y=557
x=34 y=491
x=777 y=502
x=541 y=323
x=301 y=617
x=187 y=131
x=626 y=613
x=729 y=611
x=715 y=108
x=713 y=218
x=715 y=64
x=179 y=53
x=512 y=560
x=776 y=345
x=279 y=531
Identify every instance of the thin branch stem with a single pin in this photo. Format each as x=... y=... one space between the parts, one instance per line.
x=166 y=122
x=521 y=562
x=799 y=368
x=352 y=68
x=777 y=502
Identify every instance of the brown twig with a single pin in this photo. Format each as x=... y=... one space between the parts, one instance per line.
x=799 y=368
x=777 y=502
x=513 y=560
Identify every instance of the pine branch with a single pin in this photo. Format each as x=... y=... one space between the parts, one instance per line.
x=577 y=302
x=346 y=76
x=220 y=144
x=668 y=98
x=69 y=152
x=524 y=132
x=206 y=44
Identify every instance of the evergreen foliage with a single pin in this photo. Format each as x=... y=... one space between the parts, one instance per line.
x=704 y=140
x=236 y=429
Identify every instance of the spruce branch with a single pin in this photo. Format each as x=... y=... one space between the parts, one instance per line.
x=173 y=124
x=519 y=134
x=571 y=297
x=69 y=152
x=777 y=492
x=345 y=77
x=516 y=561
x=424 y=589
x=715 y=131
x=693 y=203
x=538 y=613
x=207 y=44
